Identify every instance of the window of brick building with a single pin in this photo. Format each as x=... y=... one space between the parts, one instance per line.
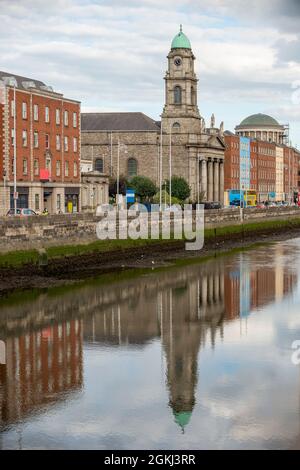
x=24 y=139
x=66 y=144
x=47 y=141
x=25 y=166
x=74 y=119
x=24 y=110
x=35 y=112
x=66 y=118
x=48 y=164
x=75 y=146
x=75 y=169
x=47 y=114
x=36 y=167
x=57 y=116
x=35 y=139
x=66 y=168
x=58 y=168
x=57 y=142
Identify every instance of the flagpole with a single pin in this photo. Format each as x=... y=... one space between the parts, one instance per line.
x=170 y=164
x=160 y=168
x=15 y=152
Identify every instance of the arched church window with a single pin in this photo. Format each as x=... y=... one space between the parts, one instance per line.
x=176 y=127
x=132 y=167
x=99 y=165
x=177 y=94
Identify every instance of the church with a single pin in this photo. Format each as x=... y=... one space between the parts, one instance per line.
x=180 y=144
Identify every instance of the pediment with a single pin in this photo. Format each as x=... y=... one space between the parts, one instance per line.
x=216 y=142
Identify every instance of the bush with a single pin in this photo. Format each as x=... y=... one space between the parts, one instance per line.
x=180 y=188
x=165 y=198
x=143 y=186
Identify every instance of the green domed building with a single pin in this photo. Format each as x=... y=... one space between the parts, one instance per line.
x=262 y=127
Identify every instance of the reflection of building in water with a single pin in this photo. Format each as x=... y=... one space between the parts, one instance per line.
x=187 y=316
x=251 y=286
x=185 y=307
x=40 y=368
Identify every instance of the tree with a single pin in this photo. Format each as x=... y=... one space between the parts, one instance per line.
x=180 y=188
x=143 y=186
x=165 y=198
x=123 y=183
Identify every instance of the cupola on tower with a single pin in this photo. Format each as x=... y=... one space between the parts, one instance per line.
x=181 y=109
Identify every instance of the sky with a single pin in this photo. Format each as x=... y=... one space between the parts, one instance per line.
x=111 y=55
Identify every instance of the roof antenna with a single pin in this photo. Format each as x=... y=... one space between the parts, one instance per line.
x=181 y=28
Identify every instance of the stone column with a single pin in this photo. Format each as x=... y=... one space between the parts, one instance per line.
x=204 y=178
x=216 y=181
x=221 y=182
x=210 y=181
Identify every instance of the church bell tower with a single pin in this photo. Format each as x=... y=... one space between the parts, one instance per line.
x=181 y=109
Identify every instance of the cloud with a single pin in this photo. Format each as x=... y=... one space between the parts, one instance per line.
x=112 y=56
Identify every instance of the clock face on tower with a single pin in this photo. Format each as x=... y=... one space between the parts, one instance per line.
x=177 y=61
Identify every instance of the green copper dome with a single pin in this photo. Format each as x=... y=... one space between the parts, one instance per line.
x=259 y=120
x=181 y=41
x=182 y=418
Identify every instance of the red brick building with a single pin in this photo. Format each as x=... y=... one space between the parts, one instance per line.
x=263 y=165
x=47 y=146
x=291 y=171
x=274 y=169
x=41 y=368
x=232 y=162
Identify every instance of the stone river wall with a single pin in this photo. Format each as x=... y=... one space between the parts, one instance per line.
x=65 y=229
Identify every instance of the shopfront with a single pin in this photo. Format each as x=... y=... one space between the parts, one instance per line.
x=72 y=200
x=23 y=197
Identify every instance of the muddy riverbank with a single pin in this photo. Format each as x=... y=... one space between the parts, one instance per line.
x=73 y=269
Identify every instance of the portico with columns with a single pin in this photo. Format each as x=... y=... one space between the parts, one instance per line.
x=211 y=179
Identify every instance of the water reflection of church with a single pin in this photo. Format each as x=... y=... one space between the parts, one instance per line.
x=186 y=308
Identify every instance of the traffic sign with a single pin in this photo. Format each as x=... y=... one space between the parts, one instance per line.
x=130 y=195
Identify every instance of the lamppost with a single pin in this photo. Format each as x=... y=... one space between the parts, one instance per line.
x=160 y=166
x=120 y=147
x=170 y=165
x=15 y=152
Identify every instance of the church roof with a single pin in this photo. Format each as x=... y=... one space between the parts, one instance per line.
x=259 y=120
x=181 y=41
x=129 y=122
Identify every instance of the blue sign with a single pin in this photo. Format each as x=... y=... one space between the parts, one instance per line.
x=272 y=194
x=130 y=195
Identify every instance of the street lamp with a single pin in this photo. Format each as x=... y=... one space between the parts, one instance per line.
x=120 y=147
x=15 y=152
x=170 y=165
x=160 y=166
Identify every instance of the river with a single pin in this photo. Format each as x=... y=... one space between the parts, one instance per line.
x=192 y=357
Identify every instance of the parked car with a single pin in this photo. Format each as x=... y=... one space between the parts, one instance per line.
x=212 y=205
x=21 y=213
